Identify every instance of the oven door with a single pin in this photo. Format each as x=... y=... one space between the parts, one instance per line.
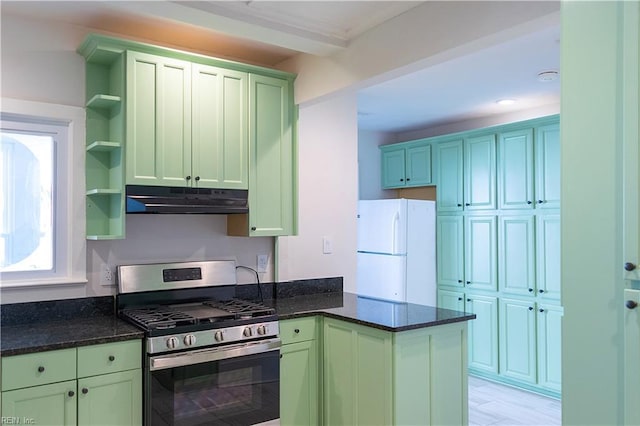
x=232 y=385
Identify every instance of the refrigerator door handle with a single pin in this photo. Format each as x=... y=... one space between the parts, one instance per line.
x=396 y=235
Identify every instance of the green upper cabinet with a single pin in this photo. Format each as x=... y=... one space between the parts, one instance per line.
x=406 y=164
x=186 y=124
x=515 y=169
x=516 y=274
x=525 y=183
x=449 y=164
x=219 y=127
x=158 y=147
x=271 y=163
x=480 y=172
x=548 y=166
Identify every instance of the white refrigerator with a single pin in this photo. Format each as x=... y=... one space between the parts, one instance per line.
x=397 y=250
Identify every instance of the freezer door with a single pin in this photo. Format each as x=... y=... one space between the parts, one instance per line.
x=382 y=226
x=382 y=276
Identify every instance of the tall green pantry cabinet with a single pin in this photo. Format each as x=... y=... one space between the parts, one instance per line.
x=162 y=117
x=498 y=245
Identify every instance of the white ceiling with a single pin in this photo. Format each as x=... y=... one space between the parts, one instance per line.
x=268 y=32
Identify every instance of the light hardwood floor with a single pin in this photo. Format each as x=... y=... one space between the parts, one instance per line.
x=494 y=404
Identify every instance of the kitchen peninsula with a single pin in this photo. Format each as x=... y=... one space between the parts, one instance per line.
x=344 y=359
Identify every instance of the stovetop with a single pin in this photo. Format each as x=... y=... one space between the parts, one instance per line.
x=203 y=314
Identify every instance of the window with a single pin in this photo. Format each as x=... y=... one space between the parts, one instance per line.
x=41 y=195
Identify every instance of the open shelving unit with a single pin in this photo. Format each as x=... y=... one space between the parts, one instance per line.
x=105 y=108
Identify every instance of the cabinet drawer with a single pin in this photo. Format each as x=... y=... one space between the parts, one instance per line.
x=109 y=358
x=298 y=330
x=40 y=368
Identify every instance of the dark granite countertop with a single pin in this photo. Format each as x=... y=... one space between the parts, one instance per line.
x=59 y=324
x=381 y=314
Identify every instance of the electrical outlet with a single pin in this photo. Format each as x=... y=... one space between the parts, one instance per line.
x=107 y=275
x=262 y=262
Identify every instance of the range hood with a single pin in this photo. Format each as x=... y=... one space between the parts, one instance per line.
x=180 y=200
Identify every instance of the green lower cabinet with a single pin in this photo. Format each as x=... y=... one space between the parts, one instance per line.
x=111 y=399
x=453 y=300
x=53 y=404
x=299 y=384
x=518 y=339
x=483 y=333
x=376 y=377
x=549 y=321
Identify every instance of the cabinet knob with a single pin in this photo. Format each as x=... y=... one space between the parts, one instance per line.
x=468 y=282
x=529 y=202
x=541 y=291
x=467 y=204
x=541 y=310
x=530 y=290
x=40 y=369
x=197 y=178
x=630 y=304
x=253 y=228
x=71 y=394
x=188 y=178
x=85 y=391
x=531 y=308
x=401 y=180
x=297 y=330
x=459 y=205
x=459 y=281
x=629 y=266
x=540 y=201
x=408 y=179
x=459 y=298
x=280 y=356
x=112 y=358
x=468 y=300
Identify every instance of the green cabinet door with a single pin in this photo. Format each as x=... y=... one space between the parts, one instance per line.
x=52 y=405
x=158 y=135
x=393 y=168
x=418 y=165
x=483 y=333
x=516 y=255
x=299 y=384
x=548 y=256
x=111 y=399
x=518 y=340
x=450 y=249
x=271 y=157
x=549 y=324
x=631 y=357
x=480 y=173
x=480 y=252
x=453 y=300
x=357 y=375
x=515 y=170
x=219 y=128
x=449 y=179
x=548 y=167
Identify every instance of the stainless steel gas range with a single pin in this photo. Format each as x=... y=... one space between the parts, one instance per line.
x=210 y=358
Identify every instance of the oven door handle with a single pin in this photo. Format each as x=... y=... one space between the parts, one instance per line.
x=214 y=354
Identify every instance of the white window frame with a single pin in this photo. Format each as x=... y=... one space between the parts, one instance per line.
x=70 y=245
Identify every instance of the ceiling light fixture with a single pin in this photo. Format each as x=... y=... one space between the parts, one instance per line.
x=547 y=76
x=506 y=101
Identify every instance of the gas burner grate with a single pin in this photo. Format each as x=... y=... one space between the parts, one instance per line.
x=158 y=317
x=242 y=308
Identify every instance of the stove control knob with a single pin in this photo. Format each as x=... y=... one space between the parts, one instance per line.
x=172 y=342
x=247 y=332
x=189 y=340
x=262 y=330
x=218 y=336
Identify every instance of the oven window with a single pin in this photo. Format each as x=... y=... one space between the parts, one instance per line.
x=236 y=391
